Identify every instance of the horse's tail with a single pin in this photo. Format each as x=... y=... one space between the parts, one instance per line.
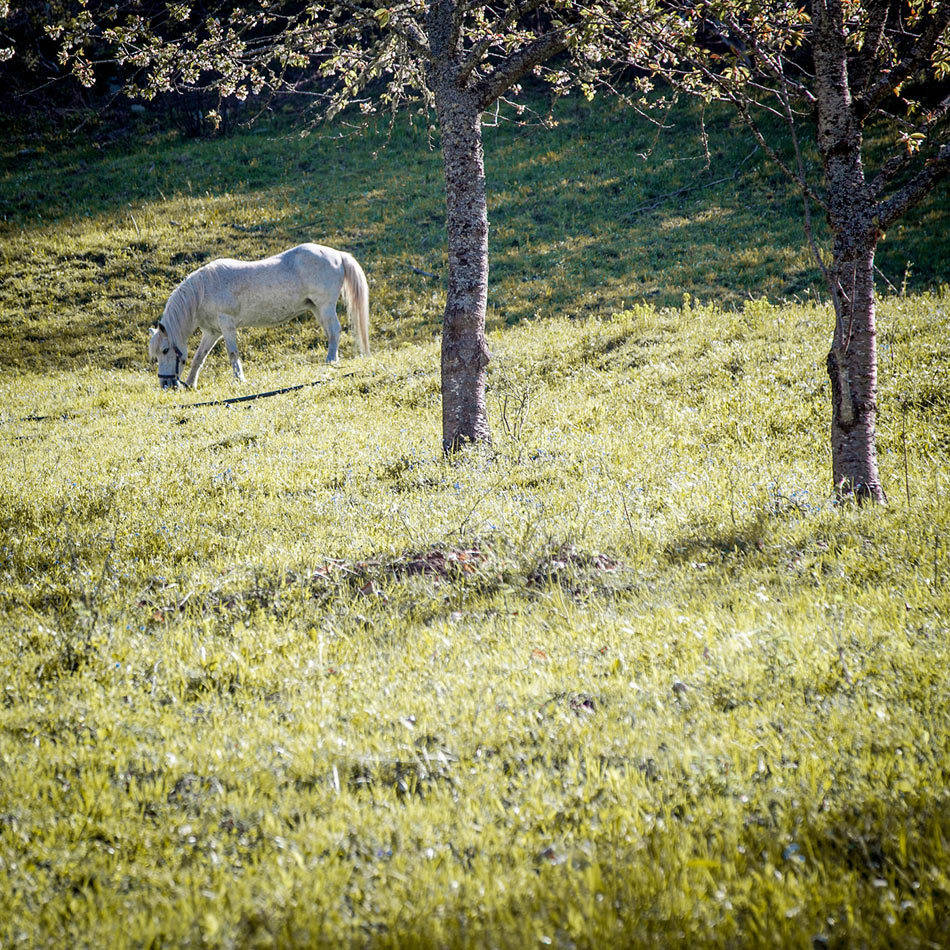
x=356 y=292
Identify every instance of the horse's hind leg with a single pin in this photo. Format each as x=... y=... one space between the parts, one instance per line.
x=208 y=340
x=229 y=332
x=331 y=323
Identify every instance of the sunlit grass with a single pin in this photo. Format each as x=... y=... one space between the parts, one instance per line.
x=279 y=674
x=581 y=224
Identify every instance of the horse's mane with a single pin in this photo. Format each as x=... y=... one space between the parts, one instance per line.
x=182 y=304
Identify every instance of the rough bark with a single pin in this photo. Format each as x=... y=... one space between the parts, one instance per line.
x=461 y=93
x=852 y=360
x=464 y=345
x=465 y=353
x=852 y=369
x=862 y=54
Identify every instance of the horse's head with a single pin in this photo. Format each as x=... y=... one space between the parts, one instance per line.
x=170 y=357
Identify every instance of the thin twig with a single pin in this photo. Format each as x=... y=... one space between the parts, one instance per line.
x=626 y=515
x=904 y=440
x=660 y=126
x=649 y=206
x=800 y=164
x=883 y=276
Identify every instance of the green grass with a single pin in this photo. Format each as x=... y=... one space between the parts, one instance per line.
x=92 y=240
x=278 y=674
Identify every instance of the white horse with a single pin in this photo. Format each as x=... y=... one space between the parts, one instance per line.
x=226 y=294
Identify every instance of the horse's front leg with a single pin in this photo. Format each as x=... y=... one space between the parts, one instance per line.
x=208 y=340
x=229 y=332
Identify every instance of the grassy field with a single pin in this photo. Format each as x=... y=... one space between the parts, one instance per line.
x=277 y=674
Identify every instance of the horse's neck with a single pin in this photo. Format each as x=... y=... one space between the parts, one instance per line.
x=181 y=312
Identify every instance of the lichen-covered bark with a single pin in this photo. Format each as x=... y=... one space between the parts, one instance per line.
x=464 y=345
x=852 y=369
x=463 y=85
x=852 y=360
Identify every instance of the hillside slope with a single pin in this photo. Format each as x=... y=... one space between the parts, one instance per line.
x=596 y=214
x=277 y=674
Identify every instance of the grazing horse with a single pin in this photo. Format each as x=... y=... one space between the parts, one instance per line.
x=226 y=294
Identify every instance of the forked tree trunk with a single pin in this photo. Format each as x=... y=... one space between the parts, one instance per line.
x=461 y=93
x=464 y=345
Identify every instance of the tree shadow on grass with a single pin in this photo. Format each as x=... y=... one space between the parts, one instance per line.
x=579 y=225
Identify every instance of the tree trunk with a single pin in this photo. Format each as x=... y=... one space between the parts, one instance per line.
x=852 y=362
x=852 y=369
x=464 y=345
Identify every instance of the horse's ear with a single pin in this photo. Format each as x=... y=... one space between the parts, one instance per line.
x=153 y=343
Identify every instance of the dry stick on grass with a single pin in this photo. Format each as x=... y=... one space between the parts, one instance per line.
x=936 y=553
x=904 y=440
x=626 y=515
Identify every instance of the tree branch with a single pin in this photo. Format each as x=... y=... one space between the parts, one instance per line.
x=741 y=104
x=773 y=67
x=895 y=165
x=506 y=74
x=800 y=165
x=934 y=25
x=936 y=169
x=405 y=28
x=866 y=57
x=476 y=53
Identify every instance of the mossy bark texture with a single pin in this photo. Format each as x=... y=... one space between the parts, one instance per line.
x=852 y=360
x=464 y=345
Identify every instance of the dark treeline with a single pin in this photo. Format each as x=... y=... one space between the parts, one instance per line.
x=39 y=86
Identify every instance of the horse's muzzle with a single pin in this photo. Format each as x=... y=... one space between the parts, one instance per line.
x=169 y=382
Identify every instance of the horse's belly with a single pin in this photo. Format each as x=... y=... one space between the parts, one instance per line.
x=272 y=315
x=268 y=306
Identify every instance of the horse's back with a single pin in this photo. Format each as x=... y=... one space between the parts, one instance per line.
x=272 y=289
x=303 y=262
x=311 y=258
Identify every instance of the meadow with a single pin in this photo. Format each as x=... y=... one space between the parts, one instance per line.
x=278 y=674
